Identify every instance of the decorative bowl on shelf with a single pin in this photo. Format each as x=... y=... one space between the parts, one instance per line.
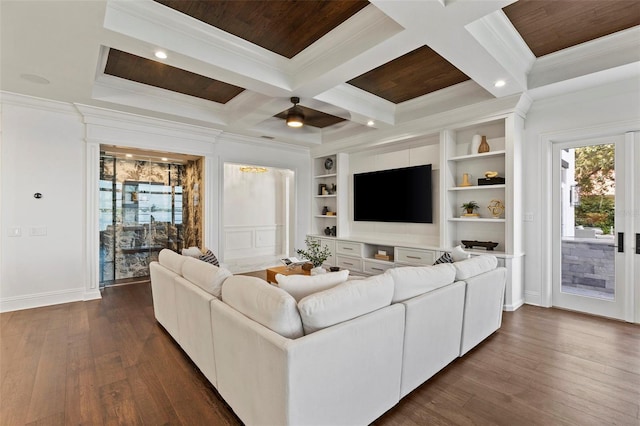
x=489 y=245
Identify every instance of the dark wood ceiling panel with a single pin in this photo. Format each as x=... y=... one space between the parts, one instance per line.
x=551 y=25
x=284 y=27
x=412 y=75
x=314 y=117
x=146 y=71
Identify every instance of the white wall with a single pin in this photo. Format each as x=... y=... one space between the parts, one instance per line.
x=43 y=150
x=609 y=109
x=418 y=233
x=49 y=147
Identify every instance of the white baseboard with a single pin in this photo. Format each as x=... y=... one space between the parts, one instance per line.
x=532 y=298
x=38 y=300
x=512 y=307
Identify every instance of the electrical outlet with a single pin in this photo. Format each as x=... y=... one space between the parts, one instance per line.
x=38 y=232
x=15 y=232
x=528 y=217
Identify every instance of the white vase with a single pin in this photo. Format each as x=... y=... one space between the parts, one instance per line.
x=318 y=270
x=475 y=144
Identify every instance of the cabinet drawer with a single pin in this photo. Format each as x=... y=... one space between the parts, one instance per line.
x=349 y=248
x=414 y=256
x=349 y=263
x=374 y=268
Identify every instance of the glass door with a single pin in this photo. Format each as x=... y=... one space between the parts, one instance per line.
x=589 y=225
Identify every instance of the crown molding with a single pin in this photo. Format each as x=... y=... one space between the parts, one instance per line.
x=500 y=39
x=261 y=142
x=604 y=53
x=17 y=99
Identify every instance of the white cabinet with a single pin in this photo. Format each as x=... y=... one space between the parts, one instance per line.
x=409 y=256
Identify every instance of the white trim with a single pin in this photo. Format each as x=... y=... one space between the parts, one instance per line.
x=92 y=227
x=17 y=99
x=28 y=301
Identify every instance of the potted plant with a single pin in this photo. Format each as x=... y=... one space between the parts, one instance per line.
x=315 y=254
x=470 y=207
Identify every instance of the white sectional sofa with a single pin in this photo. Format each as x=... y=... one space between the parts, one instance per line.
x=342 y=356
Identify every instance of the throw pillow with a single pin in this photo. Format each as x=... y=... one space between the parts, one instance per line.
x=209 y=257
x=300 y=286
x=192 y=252
x=445 y=258
x=457 y=254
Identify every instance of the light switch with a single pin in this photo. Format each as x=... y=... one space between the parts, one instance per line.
x=38 y=232
x=528 y=217
x=15 y=232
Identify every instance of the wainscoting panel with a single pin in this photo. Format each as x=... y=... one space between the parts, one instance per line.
x=243 y=242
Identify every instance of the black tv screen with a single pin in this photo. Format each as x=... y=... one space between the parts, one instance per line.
x=396 y=195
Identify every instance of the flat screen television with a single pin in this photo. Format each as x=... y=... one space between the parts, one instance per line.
x=395 y=195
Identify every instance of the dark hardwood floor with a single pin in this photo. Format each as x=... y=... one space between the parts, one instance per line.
x=108 y=362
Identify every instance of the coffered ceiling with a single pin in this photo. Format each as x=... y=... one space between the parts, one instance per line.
x=363 y=70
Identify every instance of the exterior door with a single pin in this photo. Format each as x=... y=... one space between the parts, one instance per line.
x=594 y=240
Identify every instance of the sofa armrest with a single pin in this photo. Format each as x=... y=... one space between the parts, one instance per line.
x=345 y=374
x=482 y=307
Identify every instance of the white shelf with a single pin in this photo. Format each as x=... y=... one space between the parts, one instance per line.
x=477 y=219
x=478 y=156
x=333 y=216
x=475 y=187
x=326 y=176
x=325 y=196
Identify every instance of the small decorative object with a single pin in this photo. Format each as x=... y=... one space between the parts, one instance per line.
x=470 y=207
x=475 y=144
x=328 y=164
x=465 y=180
x=331 y=213
x=490 y=174
x=489 y=245
x=325 y=191
x=332 y=188
x=327 y=231
x=496 y=207
x=382 y=256
x=322 y=188
x=484 y=146
x=314 y=253
x=334 y=268
x=134 y=196
x=325 y=210
x=334 y=231
x=496 y=180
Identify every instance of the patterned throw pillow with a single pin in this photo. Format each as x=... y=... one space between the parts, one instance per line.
x=445 y=258
x=209 y=257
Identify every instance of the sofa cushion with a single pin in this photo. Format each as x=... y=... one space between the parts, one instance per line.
x=264 y=303
x=475 y=266
x=300 y=286
x=171 y=260
x=345 y=301
x=204 y=275
x=411 y=281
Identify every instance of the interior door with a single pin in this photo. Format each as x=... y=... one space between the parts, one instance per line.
x=593 y=247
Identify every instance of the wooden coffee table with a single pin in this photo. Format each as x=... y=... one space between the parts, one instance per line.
x=284 y=270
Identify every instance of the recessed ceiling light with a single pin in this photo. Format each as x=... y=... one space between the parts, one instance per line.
x=370 y=123
x=160 y=54
x=33 y=78
x=499 y=83
x=129 y=155
x=165 y=159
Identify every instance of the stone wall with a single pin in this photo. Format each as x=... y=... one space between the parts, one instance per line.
x=588 y=263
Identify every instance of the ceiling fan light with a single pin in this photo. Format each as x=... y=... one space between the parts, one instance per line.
x=295 y=116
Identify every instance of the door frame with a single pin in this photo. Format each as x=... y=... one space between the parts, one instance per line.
x=596 y=306
x=546 y=143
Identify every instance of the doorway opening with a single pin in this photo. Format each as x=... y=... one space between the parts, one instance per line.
x=148 y=201
x=258 y=216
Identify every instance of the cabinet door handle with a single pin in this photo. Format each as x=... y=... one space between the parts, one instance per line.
x=414 y=257
x=620 y=242
x=637 y=243
x=347 y=263
x=377 y=269
x=347 y=248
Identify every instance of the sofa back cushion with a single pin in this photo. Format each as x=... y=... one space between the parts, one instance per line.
x=171 y=260
x=475 y=266
x=264 y=303
x=205 y=275
x=411 y=281
x=300 y=286
x=345 y=301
